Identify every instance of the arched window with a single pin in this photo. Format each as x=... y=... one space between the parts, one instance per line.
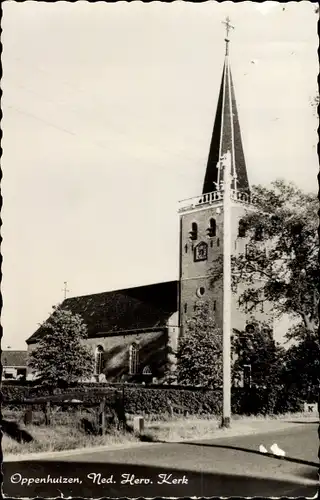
x=133 y=359
x=212 y=230
x=193 y=234
x=242 y=229
x=98 y=355
x=147 y=370
x=201 y=291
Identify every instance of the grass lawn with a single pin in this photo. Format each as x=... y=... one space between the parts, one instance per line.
x=69 y=436
x=63 y=437
x=64 y=433
x=185 y=428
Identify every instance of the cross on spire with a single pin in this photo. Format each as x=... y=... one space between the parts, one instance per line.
x=228 y=28
x=226 y=136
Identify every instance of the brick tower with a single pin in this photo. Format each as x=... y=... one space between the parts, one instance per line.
x=201 y=217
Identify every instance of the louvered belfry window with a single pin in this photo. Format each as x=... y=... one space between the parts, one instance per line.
x=133 y=359
x=212 y=229
x=242 y=230
x=193 y=234
x=98 y=360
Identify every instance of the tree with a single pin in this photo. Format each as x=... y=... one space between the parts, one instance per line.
x=258 y=350
x=281 y=261
x=60 y=357
x=264 y=357
x=301 y=370
x=199 y=355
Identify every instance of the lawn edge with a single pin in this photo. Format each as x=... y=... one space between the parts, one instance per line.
x=120 y=446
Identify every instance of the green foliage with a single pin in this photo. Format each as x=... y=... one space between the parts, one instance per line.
x=265 y=357
x=157 y=400
x=301 y=370
x=199 y=356
x=266 y=400
x=260 y=351
x=282 y=266
x=281 y=380
x=137 y=399
x=61 y=357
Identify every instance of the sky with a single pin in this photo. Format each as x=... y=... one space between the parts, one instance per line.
x=108 y=111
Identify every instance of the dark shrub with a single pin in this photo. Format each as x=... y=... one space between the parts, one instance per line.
x=166 y=399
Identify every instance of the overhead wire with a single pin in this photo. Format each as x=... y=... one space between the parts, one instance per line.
x=75 y=87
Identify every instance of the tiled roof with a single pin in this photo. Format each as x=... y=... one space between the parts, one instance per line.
x=14 y=358
x=122 y=310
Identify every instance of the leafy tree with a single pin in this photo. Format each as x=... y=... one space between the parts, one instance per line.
x=258 y=350
x=264 y=356
x=199 y=355
x=281 y=262
x=301 y=368
x=60 y=357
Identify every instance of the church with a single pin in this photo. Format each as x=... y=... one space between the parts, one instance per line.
x=134 y=332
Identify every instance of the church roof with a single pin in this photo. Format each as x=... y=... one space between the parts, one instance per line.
x=136 y=308
x=14 y=358
x=226 y=136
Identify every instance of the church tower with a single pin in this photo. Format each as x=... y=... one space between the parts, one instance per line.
x=201 y=217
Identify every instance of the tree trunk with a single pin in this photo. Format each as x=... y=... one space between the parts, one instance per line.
x=308 y=323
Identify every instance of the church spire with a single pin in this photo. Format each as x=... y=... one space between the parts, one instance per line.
x=226 y=134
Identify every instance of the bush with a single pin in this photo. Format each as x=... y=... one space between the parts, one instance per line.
x=265 y=401
x=159 y=400
x=137 y=399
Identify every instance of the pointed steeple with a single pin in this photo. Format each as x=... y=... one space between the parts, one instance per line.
x=226 y=135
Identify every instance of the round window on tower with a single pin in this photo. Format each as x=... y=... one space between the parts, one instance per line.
x=201 y=291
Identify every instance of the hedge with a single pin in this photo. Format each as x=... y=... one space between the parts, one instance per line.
x=137 y=399
x=275 y=400
x=158 y=399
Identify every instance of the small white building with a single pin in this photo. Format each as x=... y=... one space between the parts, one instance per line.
x=14 y=365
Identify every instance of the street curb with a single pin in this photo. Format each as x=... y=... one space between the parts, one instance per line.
x=227 y=433
x=74 y=451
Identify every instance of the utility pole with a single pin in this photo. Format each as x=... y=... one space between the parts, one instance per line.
x=65 y=290
x=225 y=163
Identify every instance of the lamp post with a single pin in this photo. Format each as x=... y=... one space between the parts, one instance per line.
x=225 y=163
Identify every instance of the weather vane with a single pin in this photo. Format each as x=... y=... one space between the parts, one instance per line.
x=228 y=28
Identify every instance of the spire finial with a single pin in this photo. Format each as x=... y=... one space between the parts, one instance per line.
x=228 y=27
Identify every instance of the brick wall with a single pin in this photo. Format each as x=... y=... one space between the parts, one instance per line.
x=196 y=275
x=152 y=346
x=156 y=351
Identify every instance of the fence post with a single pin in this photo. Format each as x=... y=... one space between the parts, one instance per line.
x=102 y=416
x=138 y=425
x=47 y=413
x=170 y=407
x=27 y=418
x=123 y=402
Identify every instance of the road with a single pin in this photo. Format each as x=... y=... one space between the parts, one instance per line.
x=219 y=467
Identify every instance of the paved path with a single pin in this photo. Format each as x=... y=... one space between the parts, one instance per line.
x=221 y=467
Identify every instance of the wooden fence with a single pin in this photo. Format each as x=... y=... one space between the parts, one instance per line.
x=47 y=403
